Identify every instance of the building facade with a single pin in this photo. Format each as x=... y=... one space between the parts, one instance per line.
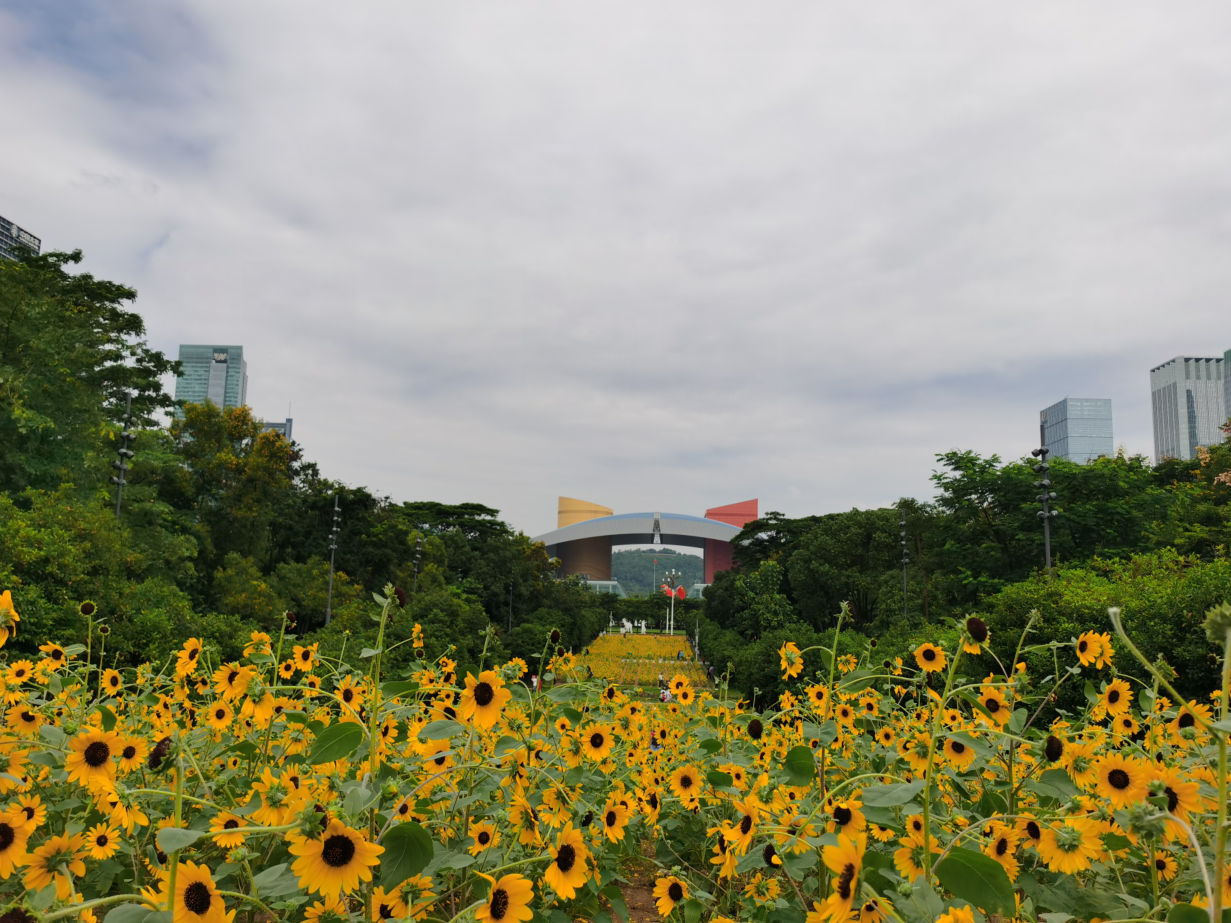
x=282 y=429
x=1078 y=429
x=218 y=374
x=1189 y=402
x=11 y=237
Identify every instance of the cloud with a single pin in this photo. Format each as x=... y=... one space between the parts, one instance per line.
x=662 y=258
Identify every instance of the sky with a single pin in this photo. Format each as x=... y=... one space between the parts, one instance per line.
x=659 y=256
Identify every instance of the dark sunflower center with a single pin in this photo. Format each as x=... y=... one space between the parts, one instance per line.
x=929 y=654
x=197 y=897
x=27 y=717
x=484 y=694
x=675 y=892
x=192 y=654
x=1002 y=846
x=686 y=782
x=29 y=812
x=483 y=838
x=611 y=818
x=1160 y=864
x=1083 y=646
x=1113 y=696
x=769 y=854
x=232 y=676
x=596 y=741
x=499 y=904
x=306 y=655
x=347 y=695
x=992 y=705
x=755 y=728
x=958 y=747
x=746 y=824
x=101 y=840
x=1053 y=749
x=1187 y=720
x=653 y=800
x=6 y=836
x=1173 y=800
x=97 y=753
x=230 y=824
x=338 y=851
x=57 y=654
x=386 y=912
x=220 y=713
x=845 y=881
x=1118 y=778
x=1032 y=828
x=843 y=815
x=566 y=858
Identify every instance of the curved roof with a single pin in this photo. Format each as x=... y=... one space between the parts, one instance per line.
x=639 y=529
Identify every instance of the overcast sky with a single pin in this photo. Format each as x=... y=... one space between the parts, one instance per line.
x=655 y=255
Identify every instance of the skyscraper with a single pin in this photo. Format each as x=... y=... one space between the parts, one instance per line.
x=1190 y=407
x=11 y=236
x=1078 y=428
x=213 y=373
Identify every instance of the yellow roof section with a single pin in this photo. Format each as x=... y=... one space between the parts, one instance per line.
x=573 y=511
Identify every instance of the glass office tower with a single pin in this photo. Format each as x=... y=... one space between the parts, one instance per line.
x=213 y=373
x=11 y=236
x=1189 y=399
x=1078 y=428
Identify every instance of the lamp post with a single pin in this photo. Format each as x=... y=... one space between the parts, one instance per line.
x=1047 y=513
x=669 y=587
x=125 y=453
x=333 y=551
x=905 y=560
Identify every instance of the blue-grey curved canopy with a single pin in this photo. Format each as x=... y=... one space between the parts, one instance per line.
x=640 y=529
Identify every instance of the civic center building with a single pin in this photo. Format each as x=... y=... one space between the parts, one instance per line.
x=586 y=532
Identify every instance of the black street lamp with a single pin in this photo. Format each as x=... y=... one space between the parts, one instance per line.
x=333 y=551
x=1047 y=513
x=905 y=560
x=125 y=453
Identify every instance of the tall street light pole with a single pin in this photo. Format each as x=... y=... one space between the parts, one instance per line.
x=333 y=551
x=1047 y=513
x=125 y=453
x=905 y=561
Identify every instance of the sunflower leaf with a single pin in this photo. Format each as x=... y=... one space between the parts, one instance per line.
x=887 y=796
x=275 y=882
x=173 y=839
x=127 y=913
x=1187 y=913
x=335 y=742
x=977 y=878
x=718 y=779
x=408 y=850
x=441 y=730
x=800 y=765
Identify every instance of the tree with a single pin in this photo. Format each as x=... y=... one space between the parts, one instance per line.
x=842 y=559
x=68 y=352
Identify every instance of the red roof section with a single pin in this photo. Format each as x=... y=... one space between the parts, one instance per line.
x=735 y=514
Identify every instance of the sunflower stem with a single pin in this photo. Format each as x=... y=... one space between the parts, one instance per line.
x=179 y=814
x=1220 y=839
x=98 y=902
x=927 y=780
x=249 y=899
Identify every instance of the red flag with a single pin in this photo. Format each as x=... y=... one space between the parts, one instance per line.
x=680 y=592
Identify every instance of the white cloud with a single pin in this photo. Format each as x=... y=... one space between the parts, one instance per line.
x=657 y=258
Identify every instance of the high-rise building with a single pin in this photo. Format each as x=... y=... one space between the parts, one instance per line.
x=1078 y=428
x=1190 y=407
x=282 y=429
x=11 y=236
x=217 y=374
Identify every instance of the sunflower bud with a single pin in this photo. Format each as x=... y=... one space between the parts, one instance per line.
x=1053 y=749
x=158 y=758
x=1143 y=819
x=977 y=629
x=555 y=636
x=1218 y=623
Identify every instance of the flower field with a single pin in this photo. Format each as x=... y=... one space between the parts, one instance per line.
x=638 y=660
x=287 y=787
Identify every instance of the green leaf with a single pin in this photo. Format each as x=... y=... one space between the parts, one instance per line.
x=108 y=717
x=826 y=733
x=404 y=687
x=800 y=765
x=977 y=878
x=408 y=850
x=710 y=745
x=1187 y=913
x=127 y=913
x=368 y=652
x=979 y=746
x=692 y=911
x=887 y=796
x=276 y=881
x=335 y=742
x=718 y=779
x=52 y=734
x=562 y=693
x=441 y=730
x=171 y=839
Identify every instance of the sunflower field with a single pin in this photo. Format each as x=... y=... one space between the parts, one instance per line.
x=638 y=660
x=285 y=786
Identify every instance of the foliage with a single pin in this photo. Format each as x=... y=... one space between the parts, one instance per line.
x=640 y=571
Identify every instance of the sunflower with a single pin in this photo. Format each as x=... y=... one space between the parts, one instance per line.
x=387 y=905
x=615 y=819
x=54 y=653
x=1117 y=697
x=957 y=915
x=132 y=752
x=1089 y=647
x=222 y=822
x=336 y=862
x=196 y=896
x=596 y=741
x=485 y=836
x=483 y=699
x=886 y=736
x=102 y=841
x=931 y=659
x=568 y=869
x=188 y=658
x=1069 y=846
x=29 y=811
x=960 y=755
x=330 y=910
x=998 y=710
x=305 y=657
x=740 y=835
x=1183 y=797
x=90 y=762
x=13 y=839
x=286 y=670
x=1121 y=780
x=686 y=783
x=231 y=680
x=113 y=682
x=509 y=899
x=54 y=861
x=977 y=634
x=219 y=715
x=668 y=892
x=873 y=910
x=845 y=861
x=8 y=618
x=792 y=661
x=1001 y=845
x=350 y=692
x=1125 y=725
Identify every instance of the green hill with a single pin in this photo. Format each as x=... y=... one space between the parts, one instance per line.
x=638 y=574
